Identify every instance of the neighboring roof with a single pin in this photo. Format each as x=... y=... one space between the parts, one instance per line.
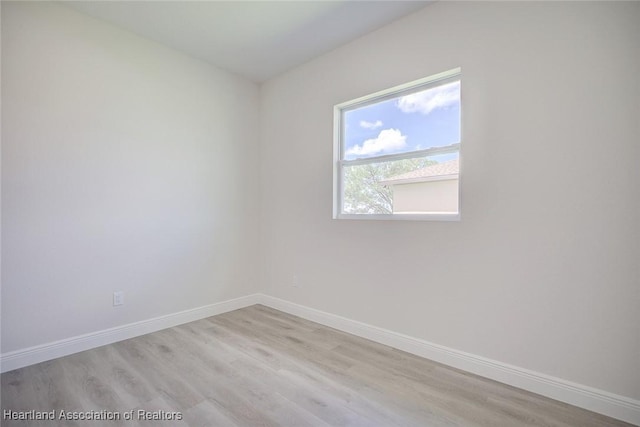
x=445 y=170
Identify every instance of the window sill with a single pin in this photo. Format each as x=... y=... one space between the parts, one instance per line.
x=403 y=217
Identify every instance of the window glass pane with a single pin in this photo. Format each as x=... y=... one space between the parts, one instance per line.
x=419 y=185
x=415 y=121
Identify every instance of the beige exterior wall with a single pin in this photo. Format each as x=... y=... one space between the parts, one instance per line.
x=429 y=196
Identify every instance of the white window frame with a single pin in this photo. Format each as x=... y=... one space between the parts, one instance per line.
x=338 y=148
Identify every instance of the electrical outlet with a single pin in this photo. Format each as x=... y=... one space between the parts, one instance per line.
x=295 y=282
x=118 y=298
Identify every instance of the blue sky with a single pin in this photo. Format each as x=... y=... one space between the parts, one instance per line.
x=420 y=120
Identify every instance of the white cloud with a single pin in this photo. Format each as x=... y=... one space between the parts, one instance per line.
x=388 y=141
x=431 y=99
x=371 y=125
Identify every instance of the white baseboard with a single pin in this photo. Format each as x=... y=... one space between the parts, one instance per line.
x=40 y=353
x=600 y=401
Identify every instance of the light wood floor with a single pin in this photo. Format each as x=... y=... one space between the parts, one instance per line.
x=261 y=367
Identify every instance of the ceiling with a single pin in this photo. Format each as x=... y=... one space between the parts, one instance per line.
x=256 y=39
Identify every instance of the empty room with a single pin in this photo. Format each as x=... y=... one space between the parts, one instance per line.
x=320 y=213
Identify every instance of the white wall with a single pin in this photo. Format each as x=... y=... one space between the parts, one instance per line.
x=125 y=166
x=128 y=166
x=542 y=272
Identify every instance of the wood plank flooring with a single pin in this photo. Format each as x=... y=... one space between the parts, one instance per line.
x=261 y=367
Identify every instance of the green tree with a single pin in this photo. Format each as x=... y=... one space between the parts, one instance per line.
x=363 y=193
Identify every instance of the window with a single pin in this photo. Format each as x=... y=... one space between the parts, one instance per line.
x=396 y=152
